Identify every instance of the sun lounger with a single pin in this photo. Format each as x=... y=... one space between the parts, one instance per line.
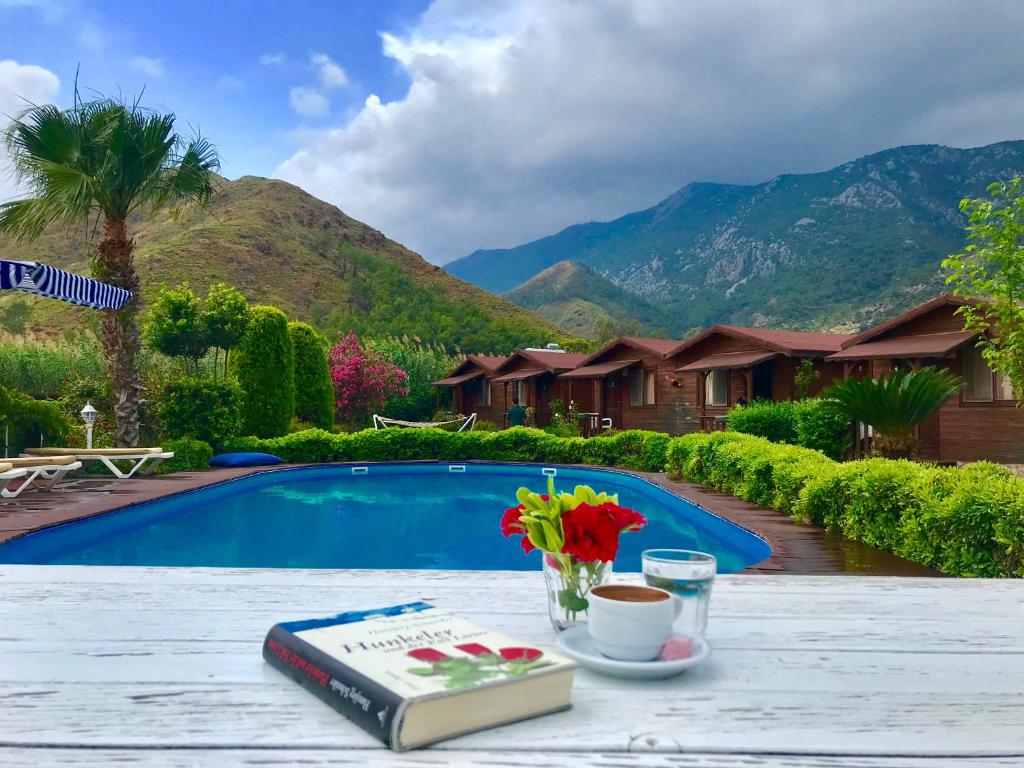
x=140 y=457
x=43 y=472
x=8 y=472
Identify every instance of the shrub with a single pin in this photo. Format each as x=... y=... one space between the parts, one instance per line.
x=264 y=366
x=30 y=422
x=363 y=380
x=424 y=364
x=189 y=455
x=964 y=521
x=822 y=426
x=314 y=391
x=201 y=409
x=765 y=418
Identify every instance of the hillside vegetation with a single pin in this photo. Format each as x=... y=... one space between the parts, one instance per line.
x=283 y=247
x=839 y=249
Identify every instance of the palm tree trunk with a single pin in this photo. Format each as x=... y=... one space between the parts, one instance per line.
x=120 y=330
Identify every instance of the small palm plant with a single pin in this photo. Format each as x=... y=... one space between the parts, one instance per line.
x=895 y=404
x=97 y=163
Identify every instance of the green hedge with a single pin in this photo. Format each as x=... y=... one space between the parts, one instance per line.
x=30 y=422
x=189 y=455
x=314 y=390
x=964 y=522
x=264 y=366
x=812 y=423
x=204 y=410
x=635 y=449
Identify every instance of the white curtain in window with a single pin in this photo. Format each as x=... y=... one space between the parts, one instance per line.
x=716 y=387
x=978 y=376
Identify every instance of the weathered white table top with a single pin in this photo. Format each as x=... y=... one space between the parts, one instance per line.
x=162 y=667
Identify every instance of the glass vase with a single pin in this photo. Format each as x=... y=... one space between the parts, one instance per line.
x=568 y=584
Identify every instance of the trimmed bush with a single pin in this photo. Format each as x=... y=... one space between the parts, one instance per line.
x=264 y=367
x=314 y=390
x=30 y=422
x=767 y=419
x=963 y=521
x=201 y=409
x=189 y=455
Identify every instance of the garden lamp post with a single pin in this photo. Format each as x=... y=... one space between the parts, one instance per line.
x=88 y=416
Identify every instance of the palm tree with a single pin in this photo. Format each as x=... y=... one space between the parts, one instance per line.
x=895 y=404
x=98 y=162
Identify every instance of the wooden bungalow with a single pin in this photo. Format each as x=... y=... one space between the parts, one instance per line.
x=727 y=365
x=531 y=376
x=628 y=384
x=473 y=390
x=983 y=421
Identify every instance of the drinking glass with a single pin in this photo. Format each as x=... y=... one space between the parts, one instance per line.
x=688 y=575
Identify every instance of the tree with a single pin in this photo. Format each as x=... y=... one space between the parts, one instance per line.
x=895 y=404
x=265 y=368
x=991 y=271
x=363 y=380
x=314 y=390
x=424 y=364
x=100 y=161
x=175 y=326
x=226 y=317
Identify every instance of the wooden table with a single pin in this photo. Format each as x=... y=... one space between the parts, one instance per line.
x=162 y=667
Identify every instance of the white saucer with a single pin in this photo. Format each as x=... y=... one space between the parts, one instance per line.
x=576 y=644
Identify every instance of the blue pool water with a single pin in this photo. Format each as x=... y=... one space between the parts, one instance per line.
x=381 y=516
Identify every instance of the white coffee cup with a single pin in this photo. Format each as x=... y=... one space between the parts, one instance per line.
x=630 y=623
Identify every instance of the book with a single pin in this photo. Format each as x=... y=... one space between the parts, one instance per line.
x=413 y=674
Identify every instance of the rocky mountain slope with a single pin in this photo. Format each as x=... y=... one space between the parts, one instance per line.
x=574 y=297
x=837 y=249
x=281 y=246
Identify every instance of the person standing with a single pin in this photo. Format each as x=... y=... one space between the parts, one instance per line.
x=516 y=414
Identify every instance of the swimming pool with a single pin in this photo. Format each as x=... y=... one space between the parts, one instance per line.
x=404 y=515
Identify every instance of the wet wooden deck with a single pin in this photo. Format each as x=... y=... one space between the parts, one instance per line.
x=797 y=549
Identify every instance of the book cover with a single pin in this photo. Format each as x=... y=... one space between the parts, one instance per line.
x=380 y=667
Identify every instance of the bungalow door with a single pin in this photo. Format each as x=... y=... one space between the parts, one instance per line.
x=762 y=381
x=612 y=397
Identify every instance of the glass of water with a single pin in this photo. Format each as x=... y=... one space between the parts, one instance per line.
x=688 y=575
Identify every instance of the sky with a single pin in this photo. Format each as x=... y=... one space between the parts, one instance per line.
x=454 y=125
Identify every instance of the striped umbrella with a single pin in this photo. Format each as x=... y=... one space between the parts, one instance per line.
x=43 y=280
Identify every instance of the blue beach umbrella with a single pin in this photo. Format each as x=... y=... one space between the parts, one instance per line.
x=43 y=280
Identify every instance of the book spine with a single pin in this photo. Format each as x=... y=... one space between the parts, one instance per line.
x=365 y=702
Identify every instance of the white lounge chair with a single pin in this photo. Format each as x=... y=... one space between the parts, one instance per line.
x=42 y=473
x=141 y=457
x=8 y=472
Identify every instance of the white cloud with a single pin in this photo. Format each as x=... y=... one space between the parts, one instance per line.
x=21 y=86
x=92 y=38
x=331 y=75
x=525 y=116
x=272 y=59
x=229 y=83
x=148 y=66
x=308 y=102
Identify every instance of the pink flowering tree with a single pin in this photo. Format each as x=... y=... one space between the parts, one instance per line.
x=363 y=380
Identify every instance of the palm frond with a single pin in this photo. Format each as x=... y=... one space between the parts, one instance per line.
x=895 y=403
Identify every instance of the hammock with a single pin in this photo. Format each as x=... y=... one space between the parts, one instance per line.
x=467 y=422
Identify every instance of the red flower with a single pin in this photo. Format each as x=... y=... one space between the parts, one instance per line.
x=527 y=545
x=627 y=519
x=428 y=655
x=520 y=654
x=475 y=649
x=592 y=533
x=510 y=522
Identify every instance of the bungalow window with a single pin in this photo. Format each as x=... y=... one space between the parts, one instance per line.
x=520 y=392
x=983 y=384
x=716 y=387
x=485 y=393
x=641 y=387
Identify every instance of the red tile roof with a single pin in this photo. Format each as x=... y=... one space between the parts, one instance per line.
x=789 y=343
x=454 y=381
x=727 y=360
x=920 y=345
x=490 y=362
x=946 y=299
x=597 y=370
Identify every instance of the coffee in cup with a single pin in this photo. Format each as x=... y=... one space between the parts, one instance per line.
x=630 y=623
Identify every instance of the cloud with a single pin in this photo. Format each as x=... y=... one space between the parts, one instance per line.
x=229 y=83
x=525 y=116
x=148 y=66
x=92 y=38
x=309 y=102
x=331 y=75
x=21 y=85
x=272 y=59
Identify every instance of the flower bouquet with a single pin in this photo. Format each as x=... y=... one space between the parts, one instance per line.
x=579 y=536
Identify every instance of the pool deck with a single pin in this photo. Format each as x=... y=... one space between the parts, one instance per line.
x=797 y=549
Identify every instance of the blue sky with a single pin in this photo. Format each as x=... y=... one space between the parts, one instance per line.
x=202 y=60
x=452 y=125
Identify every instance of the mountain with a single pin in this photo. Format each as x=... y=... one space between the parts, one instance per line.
x=838 y=249
x=282 y=246
x=574 y=297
